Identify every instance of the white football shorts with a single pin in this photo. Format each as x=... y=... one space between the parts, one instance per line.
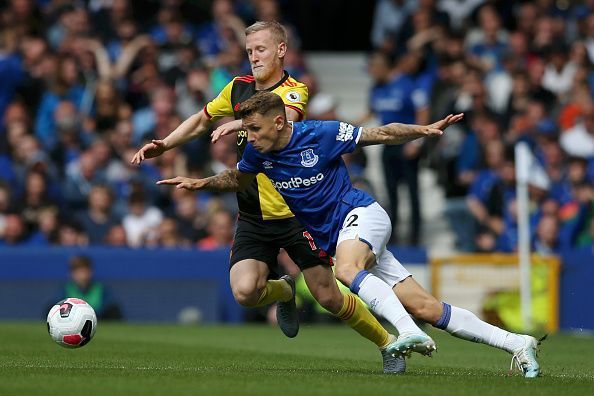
x=371 y=225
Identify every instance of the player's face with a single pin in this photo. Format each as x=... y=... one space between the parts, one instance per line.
x=265 y=54
x=263 y=131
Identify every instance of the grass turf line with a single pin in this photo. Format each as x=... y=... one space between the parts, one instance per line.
x=259 y=360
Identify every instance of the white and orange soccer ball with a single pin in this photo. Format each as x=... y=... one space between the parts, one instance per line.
x=72 y=323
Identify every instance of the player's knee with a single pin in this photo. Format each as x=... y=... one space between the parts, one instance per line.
x=331 y=302
x=346 y=272
x=246 y=295
x=427 y=309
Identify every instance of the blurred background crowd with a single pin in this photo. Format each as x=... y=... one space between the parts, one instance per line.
x=84 y=83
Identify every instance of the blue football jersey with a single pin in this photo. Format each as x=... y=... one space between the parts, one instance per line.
x=397 y=100
x=312 y=178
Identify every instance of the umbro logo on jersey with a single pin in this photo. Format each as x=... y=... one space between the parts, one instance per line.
x=267 y=164
x=309 y=158
x=236 y=108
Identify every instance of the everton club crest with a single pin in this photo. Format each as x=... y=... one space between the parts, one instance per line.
x=308 y=158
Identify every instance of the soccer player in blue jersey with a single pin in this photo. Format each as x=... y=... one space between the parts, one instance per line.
x=303 y=161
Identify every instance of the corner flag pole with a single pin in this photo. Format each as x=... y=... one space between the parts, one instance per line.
x=523 y=164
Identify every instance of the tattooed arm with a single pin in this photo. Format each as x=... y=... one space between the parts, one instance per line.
x=401 y=133
x=229 y=180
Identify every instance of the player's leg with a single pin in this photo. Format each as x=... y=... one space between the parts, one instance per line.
x=252 y=255
x=363 y=237
x=464 y=324
x=348 y=308
x=319 y=277
x=250 y=286
x=322 y=284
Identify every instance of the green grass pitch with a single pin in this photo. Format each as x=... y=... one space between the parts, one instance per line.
x=259 y=360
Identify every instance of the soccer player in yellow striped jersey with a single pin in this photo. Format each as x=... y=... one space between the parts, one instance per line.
x=265 y=223
x=261 y=201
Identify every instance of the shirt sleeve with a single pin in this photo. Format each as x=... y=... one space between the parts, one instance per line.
x=220 y=106
x=249 y=161
x=295 y=96
x=337 y=138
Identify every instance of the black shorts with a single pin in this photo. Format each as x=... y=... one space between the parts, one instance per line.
x=262 y=239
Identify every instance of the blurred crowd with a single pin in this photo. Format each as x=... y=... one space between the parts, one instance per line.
x=85 y=83
x=521 y=71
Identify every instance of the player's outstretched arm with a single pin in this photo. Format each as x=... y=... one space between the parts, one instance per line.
x=236 y=125
x=229 y=180
x=401 y=133
x=191 y=128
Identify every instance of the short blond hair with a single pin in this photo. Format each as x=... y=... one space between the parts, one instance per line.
x=276 y=29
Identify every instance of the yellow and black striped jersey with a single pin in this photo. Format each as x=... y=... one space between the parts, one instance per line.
x=260 y=200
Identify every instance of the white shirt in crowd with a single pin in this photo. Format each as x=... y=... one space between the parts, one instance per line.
x=559 y=82
x=577 y=142
x=138 y=227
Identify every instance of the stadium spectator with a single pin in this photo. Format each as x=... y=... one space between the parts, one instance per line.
x=81 y=176
x=68 y=135
x=14 y=232
x=11 y=71
x=193 y=92
x=220 y=231
x=154 y=119
x=27 y=154
x=35 y=197
x=578 y=140
x=47 y=226
x=142 y=219
x=388 y=19
x=491 y=202
x=66 y=86
x=190 y=221
x=83 y=285
x=98 y=218
x=547 y=236
x=72 y=22
x=71 y=233
x=124 y=31
x=578 y=104
x=167 y=236
x=487 y=43
x=559 y=72
x=230 y=63
x=107 y=107
x=213 y=37
x=116 y=236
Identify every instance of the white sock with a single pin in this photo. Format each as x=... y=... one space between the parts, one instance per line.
x=380 y=297
x=466 y=325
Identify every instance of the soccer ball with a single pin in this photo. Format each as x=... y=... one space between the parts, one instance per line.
x=72 y=323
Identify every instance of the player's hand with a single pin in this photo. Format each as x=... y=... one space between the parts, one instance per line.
x=225 y=129
x=149 y=150
x=437 y=128
x=181 y=182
